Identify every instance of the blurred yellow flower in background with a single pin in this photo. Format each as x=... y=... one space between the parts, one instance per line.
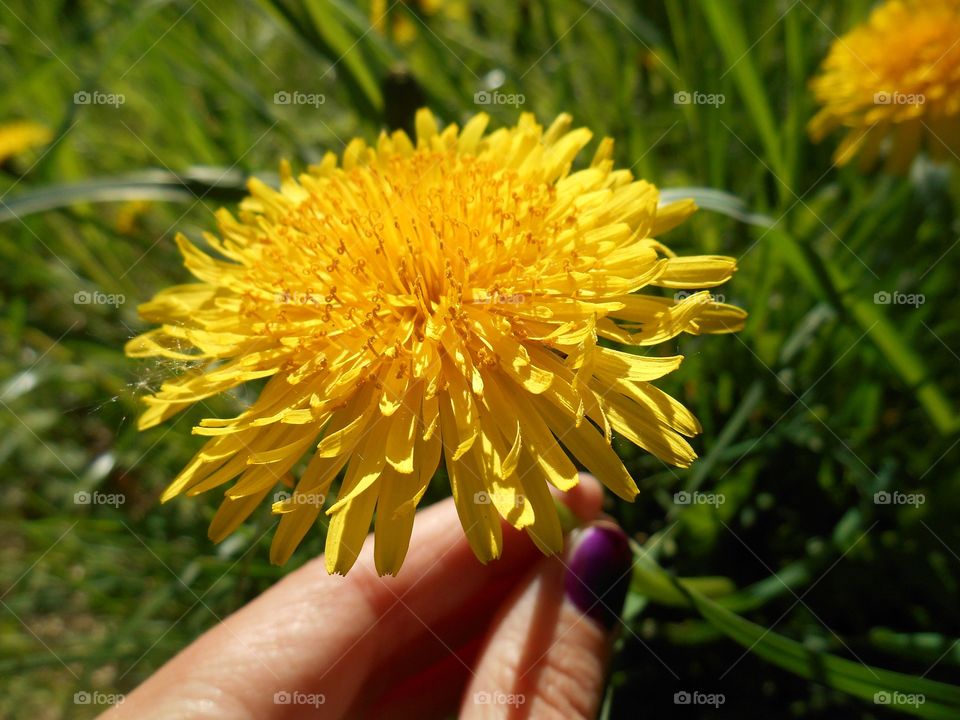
x=128 y=216
x=895 y=78
x=17 y=137
x=403 y=29
x=437 y=297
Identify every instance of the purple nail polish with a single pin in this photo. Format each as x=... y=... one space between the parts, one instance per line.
x=598 y=573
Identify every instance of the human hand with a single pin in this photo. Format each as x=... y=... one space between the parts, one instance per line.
x=524 y=636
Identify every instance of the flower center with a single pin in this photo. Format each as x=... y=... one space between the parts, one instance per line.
x=388 y=254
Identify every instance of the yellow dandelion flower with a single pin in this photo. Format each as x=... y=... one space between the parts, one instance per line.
x=17 y=137
x=442 y=297
x=895 y=78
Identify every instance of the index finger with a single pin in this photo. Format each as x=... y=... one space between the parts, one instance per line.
x=321 y=634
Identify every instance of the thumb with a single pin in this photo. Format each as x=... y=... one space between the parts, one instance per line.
x=548 y=651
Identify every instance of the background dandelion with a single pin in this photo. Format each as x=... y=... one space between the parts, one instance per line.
x=827 y=484
x=891 y=84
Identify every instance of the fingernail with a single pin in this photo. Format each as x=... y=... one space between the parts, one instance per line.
x=598 y=573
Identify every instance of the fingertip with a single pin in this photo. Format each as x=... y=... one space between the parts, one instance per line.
x=598 y=572
x=585 y=499
x=547 y=652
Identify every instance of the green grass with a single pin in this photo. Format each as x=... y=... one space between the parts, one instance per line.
x=823 y=400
